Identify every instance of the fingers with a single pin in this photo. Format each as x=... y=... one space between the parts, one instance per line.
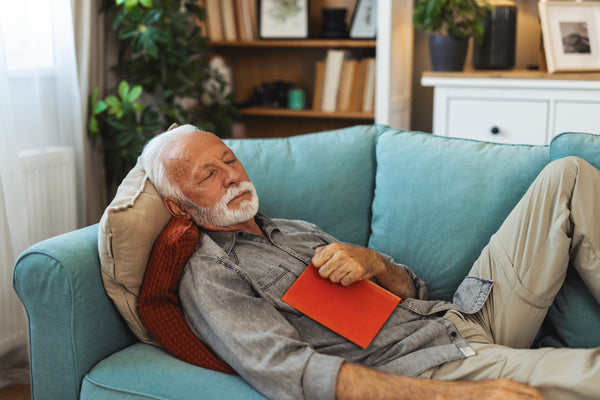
x=338 y=263
x=496 y=389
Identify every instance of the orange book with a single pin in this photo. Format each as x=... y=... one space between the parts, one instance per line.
x=357 y=312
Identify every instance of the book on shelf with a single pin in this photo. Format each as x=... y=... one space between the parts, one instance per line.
x=334 y=61
x=214 y=28
x=368 y=101
x=318 y=89
x=230 y=20
x=358 y=86
x=344 y=84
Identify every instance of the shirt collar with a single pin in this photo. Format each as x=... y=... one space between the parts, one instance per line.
x=226 y=239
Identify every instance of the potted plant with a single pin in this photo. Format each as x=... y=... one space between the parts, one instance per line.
x=164 y=74
x=450 y=24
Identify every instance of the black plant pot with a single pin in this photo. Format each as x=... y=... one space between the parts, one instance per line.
x=447 y=52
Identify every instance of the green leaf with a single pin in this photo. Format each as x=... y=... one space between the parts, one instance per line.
x=128 y=33
x=100 y=107
x=93 y=97
x=129 y=4
x=124 y=139
x=124 y=90
x=160 y=35
x=120 y=2
x=134 y=93
x=153 y=17
x=114 y=105
x=146 y=3
x=117 y=124
x=93 y=127
x=138 y=44
x=150 y=46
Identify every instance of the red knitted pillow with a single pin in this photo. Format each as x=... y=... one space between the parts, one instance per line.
x=159 y=304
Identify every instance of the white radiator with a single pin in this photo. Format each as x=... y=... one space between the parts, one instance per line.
x=48 y=182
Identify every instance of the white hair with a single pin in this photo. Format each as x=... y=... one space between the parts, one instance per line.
x=152 y=160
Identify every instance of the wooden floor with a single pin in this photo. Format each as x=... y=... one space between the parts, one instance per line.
x=15 y=392
x=14 y=375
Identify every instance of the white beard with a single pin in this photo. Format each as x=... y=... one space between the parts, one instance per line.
x=220 y=214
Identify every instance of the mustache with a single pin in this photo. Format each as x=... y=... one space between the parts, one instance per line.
x=234 y=191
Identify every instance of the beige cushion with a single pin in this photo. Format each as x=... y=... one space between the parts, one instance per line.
x=127 y=231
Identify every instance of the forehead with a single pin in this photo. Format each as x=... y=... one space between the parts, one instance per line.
x=192 y=153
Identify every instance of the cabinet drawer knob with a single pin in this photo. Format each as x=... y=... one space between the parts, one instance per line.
x=495 y=130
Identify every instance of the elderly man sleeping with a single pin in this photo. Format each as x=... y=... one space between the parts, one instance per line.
x=475 y=347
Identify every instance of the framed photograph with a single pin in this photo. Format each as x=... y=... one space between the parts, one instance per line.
x=364 y=21
x=283 y=19
x=571 y=34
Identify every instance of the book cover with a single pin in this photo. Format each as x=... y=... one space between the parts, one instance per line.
x=359 y=86
x=213 y=20
x=318 y=89
x=369 y=93
x=331 y=80
x=346 y=82
x=228 y=20
x=356 y=312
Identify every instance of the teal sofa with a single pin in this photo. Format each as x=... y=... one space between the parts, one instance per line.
x=430 y=202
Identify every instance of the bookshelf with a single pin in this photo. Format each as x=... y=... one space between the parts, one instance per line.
x=256 y=61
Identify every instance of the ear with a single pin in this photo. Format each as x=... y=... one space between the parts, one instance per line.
x=175 y=208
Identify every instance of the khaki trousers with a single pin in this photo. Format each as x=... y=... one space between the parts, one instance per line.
x=556 y=224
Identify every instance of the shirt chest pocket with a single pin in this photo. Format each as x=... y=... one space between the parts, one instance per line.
x=276 y=282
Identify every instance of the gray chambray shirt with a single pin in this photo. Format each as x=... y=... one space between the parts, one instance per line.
x=231 y=291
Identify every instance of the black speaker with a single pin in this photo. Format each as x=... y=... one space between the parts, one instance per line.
x=497 y=51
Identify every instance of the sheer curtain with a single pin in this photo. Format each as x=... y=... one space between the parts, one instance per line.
x=40 y=106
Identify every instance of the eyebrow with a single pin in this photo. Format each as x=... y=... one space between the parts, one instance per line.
x=227 y=152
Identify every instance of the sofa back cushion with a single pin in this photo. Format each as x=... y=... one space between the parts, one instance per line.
x=438 y=200
x=325 y=178
x=575 y=313
x=126 y=233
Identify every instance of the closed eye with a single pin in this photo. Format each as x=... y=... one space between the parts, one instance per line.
x=207 y=177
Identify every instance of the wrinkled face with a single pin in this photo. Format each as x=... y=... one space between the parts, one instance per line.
x=216 y=187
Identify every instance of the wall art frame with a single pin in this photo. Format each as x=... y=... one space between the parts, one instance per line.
x=571 y=35
x=364 y=20
x=283 y=19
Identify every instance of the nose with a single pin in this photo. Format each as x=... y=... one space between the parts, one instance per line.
x=231 y=175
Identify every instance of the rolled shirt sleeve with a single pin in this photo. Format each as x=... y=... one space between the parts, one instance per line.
x=250 y=334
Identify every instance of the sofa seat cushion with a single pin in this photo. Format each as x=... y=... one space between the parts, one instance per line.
x=575 y=313
x=144 y=371
x=438 y=200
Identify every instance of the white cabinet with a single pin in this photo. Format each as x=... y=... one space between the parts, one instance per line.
x=514 y=107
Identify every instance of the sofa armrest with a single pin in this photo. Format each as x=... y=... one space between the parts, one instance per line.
x=72 y=322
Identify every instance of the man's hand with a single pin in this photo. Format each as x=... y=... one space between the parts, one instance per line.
x=357 y=382
x=345 y=264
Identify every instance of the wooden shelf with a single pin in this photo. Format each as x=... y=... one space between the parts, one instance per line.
x=284 y=112
x=315 y=43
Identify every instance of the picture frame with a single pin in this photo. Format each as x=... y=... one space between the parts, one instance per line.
x=571 y=35
x=283 y=19
x=364 y=21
